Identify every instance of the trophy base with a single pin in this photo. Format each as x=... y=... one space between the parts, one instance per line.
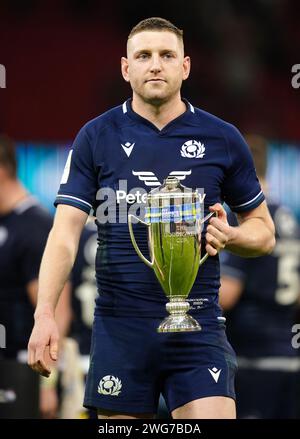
x=179 y=323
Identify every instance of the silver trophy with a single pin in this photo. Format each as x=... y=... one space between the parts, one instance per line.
x=174 y=221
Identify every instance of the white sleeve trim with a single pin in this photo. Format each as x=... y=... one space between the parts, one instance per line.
x=248 y=202
x=74 y=198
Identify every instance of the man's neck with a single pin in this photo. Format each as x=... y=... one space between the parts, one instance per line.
x=11 y=193
x=159 y=115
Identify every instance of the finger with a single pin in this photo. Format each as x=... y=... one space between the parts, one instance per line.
x=39 y=369
x=211 y=250
x=219 y=224
x=40 y=363
x=53 y=349
x=31 y=358
x=43 y=369
x=214 y=242
x=222 y=215
x=217 y=234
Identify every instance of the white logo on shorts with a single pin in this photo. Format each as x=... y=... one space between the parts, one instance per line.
x=110 y=385
x=215 y=373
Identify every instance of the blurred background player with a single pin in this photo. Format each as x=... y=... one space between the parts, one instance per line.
x=24 y=228
x=260 y=298
x=84 y=292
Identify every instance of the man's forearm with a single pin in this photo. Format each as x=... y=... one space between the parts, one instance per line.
x=56 y=265
x=252 y=238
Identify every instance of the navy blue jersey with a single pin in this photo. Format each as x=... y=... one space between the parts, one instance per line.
x=23 y=235
x=260 y=324
x=123 y=154
x=84 y=288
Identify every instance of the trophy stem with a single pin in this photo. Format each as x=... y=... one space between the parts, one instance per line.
x=179 y=320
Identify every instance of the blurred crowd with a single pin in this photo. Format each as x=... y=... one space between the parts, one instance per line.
x=242 y=57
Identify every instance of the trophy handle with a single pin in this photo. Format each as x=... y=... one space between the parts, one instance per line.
x=203 y=259
x=140 y=254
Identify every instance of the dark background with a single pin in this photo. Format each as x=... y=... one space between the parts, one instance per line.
x=62 y=62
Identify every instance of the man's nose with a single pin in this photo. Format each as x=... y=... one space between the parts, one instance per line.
x=156 y=64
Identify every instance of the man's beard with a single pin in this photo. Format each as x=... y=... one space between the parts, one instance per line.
x=155 y=100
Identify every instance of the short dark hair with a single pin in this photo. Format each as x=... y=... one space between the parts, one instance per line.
x=8 y=155
x=259 y=149
x=158 y=24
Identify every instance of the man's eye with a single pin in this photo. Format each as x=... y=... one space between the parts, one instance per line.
x=168 y=55
x=143 y=56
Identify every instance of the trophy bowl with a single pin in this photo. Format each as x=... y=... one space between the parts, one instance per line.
x=174 y=220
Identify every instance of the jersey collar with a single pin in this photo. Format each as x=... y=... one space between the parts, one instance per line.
x=184 y=117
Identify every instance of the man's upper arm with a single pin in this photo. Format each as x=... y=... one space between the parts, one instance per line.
x=69 y=222
x=260 y=212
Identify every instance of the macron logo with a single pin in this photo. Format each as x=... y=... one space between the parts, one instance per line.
x=215 y=373
x=128 y=147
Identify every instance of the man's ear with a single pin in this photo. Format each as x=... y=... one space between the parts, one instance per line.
x=186 y=67
x=125 y=68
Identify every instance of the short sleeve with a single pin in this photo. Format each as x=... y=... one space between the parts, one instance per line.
x=241 y=188
x=78 y=185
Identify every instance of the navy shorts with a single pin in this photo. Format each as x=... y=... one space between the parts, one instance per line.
x=131 y=364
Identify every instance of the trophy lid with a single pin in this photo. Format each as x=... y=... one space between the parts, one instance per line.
x=171 y=187
x=172 y=202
